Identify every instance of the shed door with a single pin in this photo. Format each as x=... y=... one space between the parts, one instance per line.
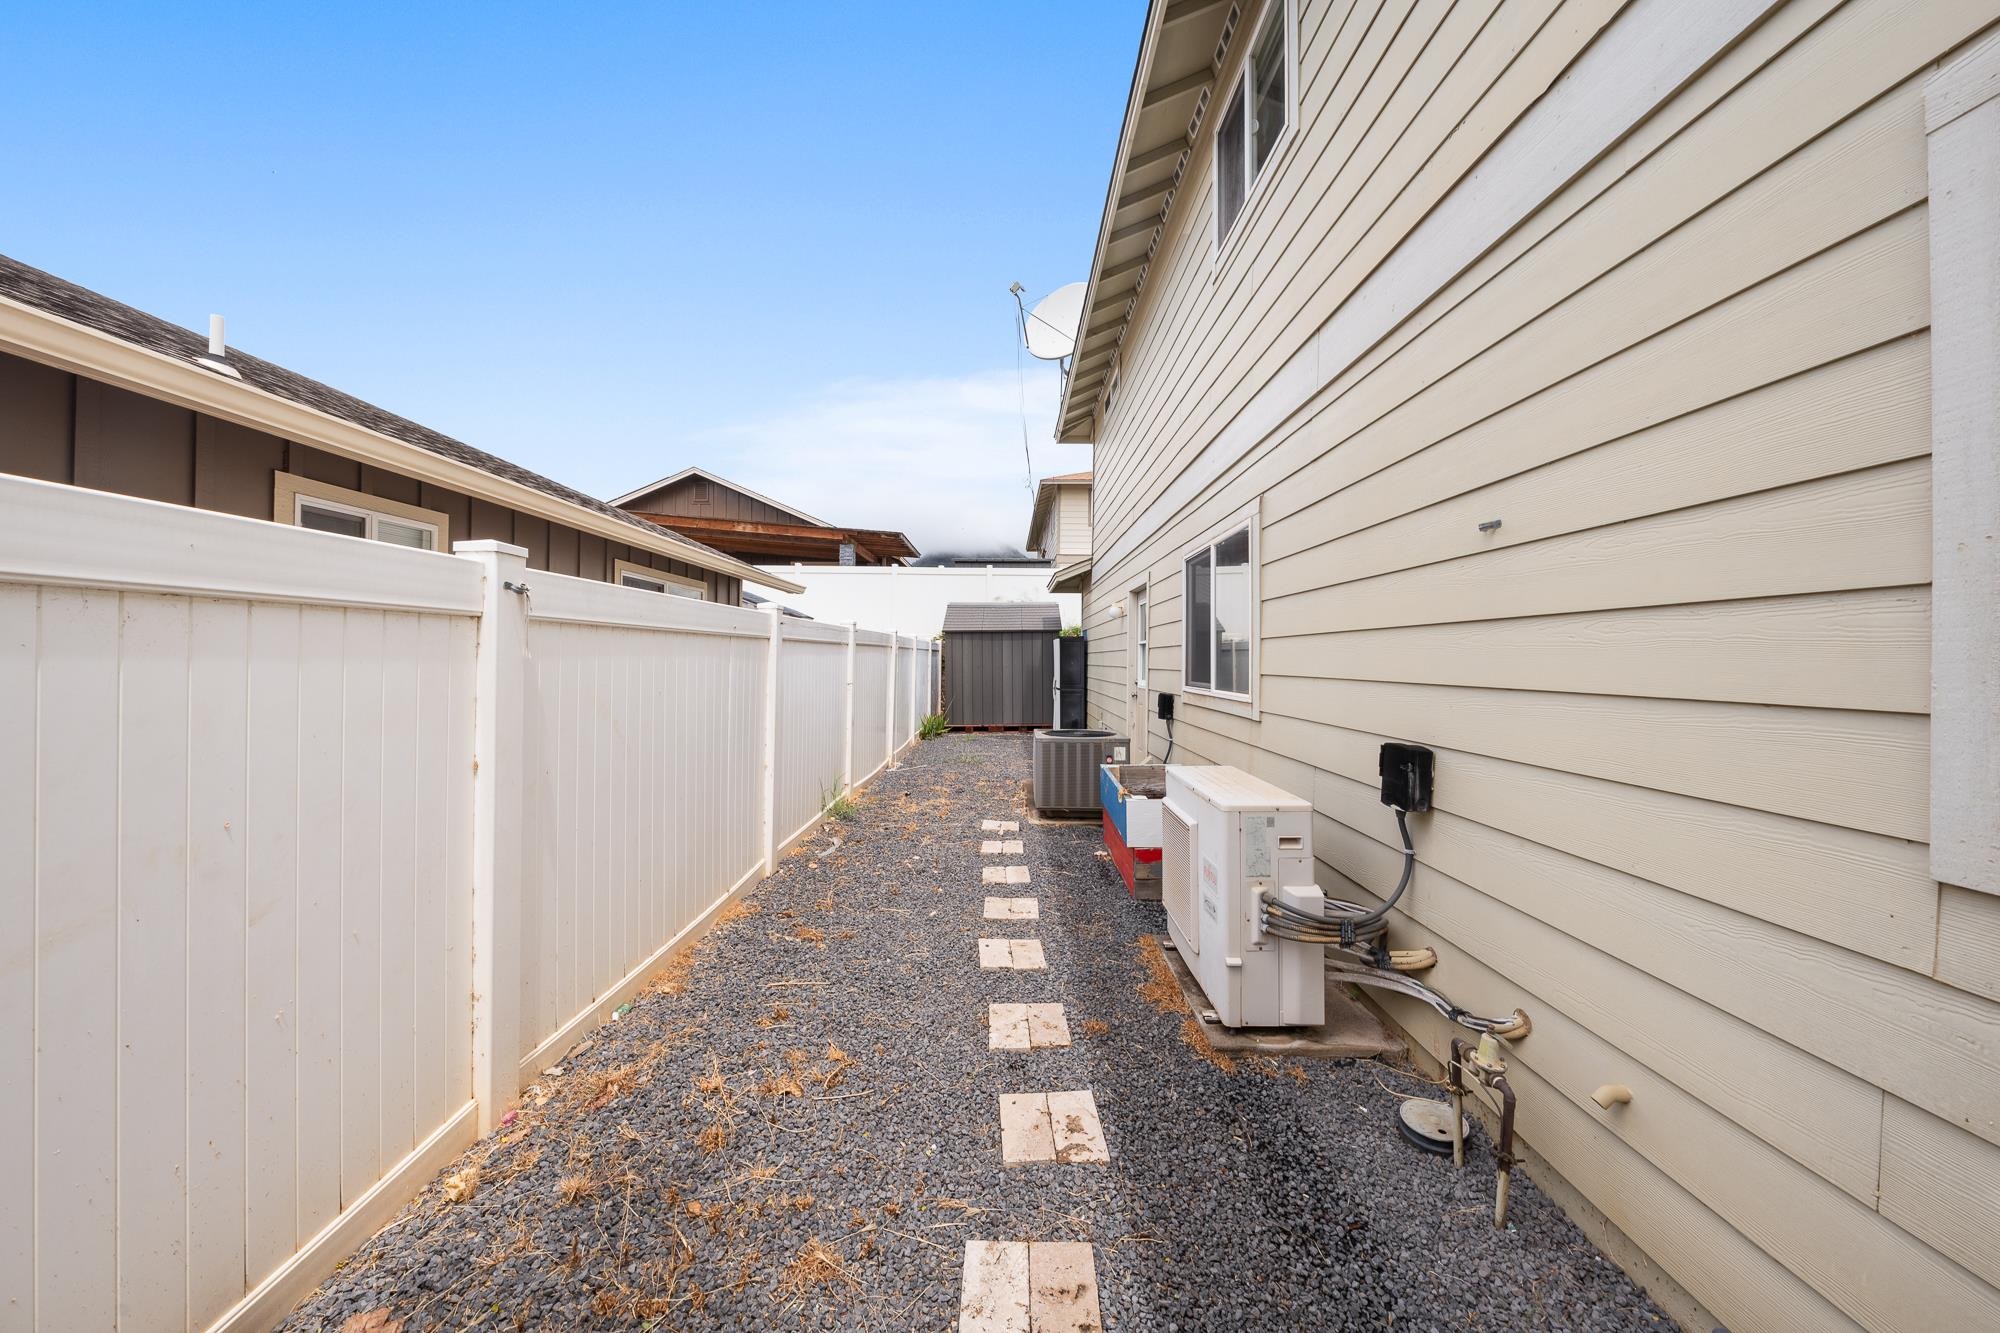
x=1138 y=630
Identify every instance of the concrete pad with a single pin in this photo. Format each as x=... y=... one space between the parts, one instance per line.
x=996 y=953
x=1008 y=1028
x=1017 y=874
x=999 y=826
x=1025 y=1135
x=991 y=847
x=994 y=1295
x=1013 y=847
x=993 y=874
x=1349 y=1032
x=1062 y=1282
x=1073 y=1125
x=1046 y=1025
x=1028 y=956
x=1013 y=909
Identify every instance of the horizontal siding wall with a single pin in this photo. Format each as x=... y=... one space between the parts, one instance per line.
x=1680 y=695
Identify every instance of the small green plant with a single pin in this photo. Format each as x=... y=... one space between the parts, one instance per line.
x=838 y=803
x=1072 y=631
x=932 y=725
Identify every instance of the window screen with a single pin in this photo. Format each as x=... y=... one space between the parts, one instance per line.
x=332 y=520
x=1229 y=183
x=1200 y=620
x=1267 y=88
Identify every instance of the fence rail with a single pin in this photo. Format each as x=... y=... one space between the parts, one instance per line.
x=312 y=850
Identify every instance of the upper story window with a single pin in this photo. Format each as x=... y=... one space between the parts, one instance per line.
x=1254 y=116
x=1221 y=601
x=324 y=507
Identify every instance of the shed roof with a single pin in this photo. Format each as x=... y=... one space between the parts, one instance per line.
x=50 y=296
x=1001 y=617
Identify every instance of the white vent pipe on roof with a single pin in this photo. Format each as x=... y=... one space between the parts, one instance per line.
x=215 y=345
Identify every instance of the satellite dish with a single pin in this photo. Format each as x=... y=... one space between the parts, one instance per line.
x=1051 y=327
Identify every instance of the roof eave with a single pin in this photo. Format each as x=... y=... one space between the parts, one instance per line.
x=79 y=349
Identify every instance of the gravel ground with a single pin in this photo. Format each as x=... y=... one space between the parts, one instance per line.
x=798 y=1128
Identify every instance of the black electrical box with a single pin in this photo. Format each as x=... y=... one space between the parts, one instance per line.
x=1406 y=777
x=1166 y=707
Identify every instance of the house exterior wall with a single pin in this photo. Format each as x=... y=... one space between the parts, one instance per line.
x=1072 y=524
x=55 y=426
x=698 y=497
x=1673 y=332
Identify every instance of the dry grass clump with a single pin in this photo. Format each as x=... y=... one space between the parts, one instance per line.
x=810 y=935
x=781 y=1085
x=462 y=1184
x=779 y=1014
x=715 y=1138
x=1095 y=1027
x=575 y=1189
x=1162 y=990
x=815 y=1265
x=599 y=1086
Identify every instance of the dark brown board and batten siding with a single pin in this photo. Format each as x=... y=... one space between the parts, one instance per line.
x=55 y=426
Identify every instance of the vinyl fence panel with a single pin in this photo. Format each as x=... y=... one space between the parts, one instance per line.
x=230 y=841
x=263 y=789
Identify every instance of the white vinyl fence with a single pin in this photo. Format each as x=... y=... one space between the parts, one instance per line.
x=311 y=849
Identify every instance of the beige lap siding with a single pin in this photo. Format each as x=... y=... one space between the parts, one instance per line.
x=1680 y=695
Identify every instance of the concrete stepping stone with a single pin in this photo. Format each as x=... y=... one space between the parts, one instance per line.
x=1051 y=1127
x=1013 y=909
x=993 y=1296
x=1003 y=874
x=1019 y=955
x=999 y=826
x=997 y=847
x=1013 y=1286
x=1025 y=1027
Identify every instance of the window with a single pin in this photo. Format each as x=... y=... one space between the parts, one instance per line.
x=1221 y=615
x=1139 y=630
x=324 y=507
x=630 y=575
x=1253 y=118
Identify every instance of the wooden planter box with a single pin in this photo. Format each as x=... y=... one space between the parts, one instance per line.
x=1132 y=795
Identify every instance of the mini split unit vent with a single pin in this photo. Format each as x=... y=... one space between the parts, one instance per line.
x=1229 y=839
x=1066 y=763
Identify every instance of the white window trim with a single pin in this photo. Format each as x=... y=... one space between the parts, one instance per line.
x=290 y=489
x=620 y=568
x=1962 y=122
x=1221 y=246
x=1142 y=635
x=1243 y=705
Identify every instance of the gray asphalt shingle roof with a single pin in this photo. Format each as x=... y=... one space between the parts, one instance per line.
x=46 y=292
x=998 y=617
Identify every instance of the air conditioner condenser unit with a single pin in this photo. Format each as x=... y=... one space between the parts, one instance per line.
x=1229 y=839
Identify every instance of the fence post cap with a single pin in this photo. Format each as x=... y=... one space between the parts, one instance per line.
x=487 y=546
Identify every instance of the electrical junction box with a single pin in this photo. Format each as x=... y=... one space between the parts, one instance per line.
x=1406 y=777
x=1166 y=706
x=1229 y=838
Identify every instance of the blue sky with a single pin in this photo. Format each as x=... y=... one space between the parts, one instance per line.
x=604 y=240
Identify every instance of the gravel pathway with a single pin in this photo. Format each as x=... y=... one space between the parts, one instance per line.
x=798 y=1128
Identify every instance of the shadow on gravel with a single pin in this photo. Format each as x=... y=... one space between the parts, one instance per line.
x=796 y=1127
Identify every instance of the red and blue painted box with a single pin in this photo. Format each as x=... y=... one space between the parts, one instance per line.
x=1132 y=795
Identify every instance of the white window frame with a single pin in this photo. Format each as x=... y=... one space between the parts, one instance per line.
x=1244 y=705
x=673 y=585
x=1142 y=613
x=292 y=493
x=1222 y=242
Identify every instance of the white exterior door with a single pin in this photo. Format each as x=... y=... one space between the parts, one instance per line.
x=1137 y=631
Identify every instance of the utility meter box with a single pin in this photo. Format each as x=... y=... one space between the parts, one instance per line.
x=1228 y=839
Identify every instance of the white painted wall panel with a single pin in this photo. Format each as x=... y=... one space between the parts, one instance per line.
x=912 y=601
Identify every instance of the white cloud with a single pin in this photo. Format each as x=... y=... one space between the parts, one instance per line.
x=938 y=459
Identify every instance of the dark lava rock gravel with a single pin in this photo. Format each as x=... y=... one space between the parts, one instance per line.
x=799 y=1129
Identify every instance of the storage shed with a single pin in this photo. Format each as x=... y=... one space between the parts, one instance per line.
x=999 y=663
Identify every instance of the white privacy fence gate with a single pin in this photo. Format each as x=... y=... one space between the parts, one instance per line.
x=310 y=848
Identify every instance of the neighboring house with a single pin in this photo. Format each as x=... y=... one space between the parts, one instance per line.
x=754 y=527
x=94 y=393
x=1605 y=398
x=912 y=600
x=1059 y=530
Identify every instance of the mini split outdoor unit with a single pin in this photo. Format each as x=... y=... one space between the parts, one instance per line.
x=1229 y=839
